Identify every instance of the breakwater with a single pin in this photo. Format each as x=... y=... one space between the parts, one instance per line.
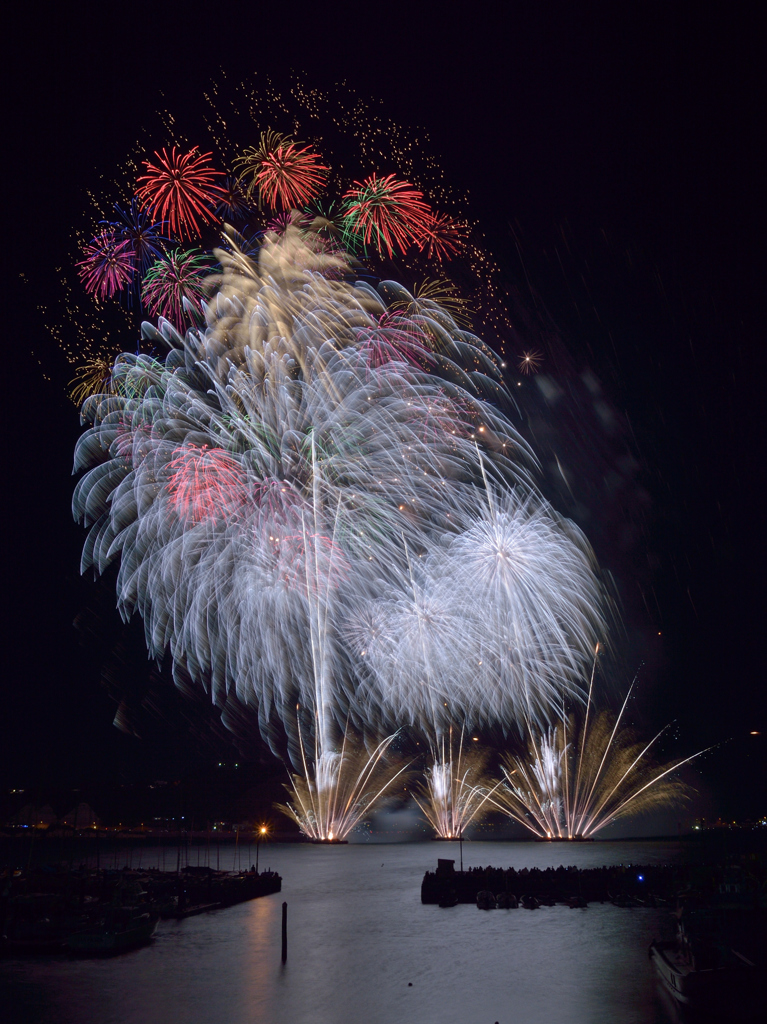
x=631 y=884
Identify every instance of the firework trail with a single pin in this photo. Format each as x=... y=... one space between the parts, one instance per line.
x=456 y=790
x=584 y=773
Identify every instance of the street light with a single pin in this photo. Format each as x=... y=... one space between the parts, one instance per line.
x=261 y=834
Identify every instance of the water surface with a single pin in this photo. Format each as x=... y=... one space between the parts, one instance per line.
x=362 y=948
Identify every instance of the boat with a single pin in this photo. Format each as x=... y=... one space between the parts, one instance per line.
x=701 y=969
x=448 y=900
x=506 y=901
x=38 y=923
x=574 y=902
x=720 y=983
x=530 y=903
x=485 y=900
x=121 y=929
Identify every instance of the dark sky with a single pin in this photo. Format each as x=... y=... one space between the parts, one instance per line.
x=615 y=159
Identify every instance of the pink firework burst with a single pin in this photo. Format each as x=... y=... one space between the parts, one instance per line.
x=181 y=275
x=108 y=266
x=309 y=562
x=394 y=338
x=205 y=484
x=442 y=237
x=387 y=213
x=179 y=189
x=279 y=503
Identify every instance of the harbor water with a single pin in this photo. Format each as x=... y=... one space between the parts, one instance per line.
x=362 y=948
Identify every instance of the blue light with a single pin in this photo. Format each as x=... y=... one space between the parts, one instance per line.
x=641 y=878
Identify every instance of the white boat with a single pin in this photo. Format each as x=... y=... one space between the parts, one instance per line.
x=705 y=972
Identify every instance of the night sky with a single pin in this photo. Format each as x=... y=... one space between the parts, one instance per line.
x=615 y=161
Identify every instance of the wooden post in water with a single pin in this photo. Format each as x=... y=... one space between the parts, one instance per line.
x=284 y=932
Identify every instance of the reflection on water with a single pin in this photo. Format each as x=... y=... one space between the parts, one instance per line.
x=362 y=948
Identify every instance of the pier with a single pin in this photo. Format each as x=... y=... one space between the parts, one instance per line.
x=627 y=884
x=40 y=910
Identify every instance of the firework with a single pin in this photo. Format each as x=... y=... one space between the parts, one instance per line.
x=387 y=213
x=456 y=789
x=337 y=791
x=108 y=265
x=437 y=293
x=442 y=237
x=530 y=361
x=261 y=478
x=489 y=625
x=204 y=483
x=94 y=377
x=147 y=239
x=180 y=189
x=530 y=576
x=395 y=338
x=583 y=774
x=233 y=207
x=174 y=281
x=281 y=171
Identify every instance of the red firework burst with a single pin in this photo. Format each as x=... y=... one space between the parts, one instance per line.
x=282 y=172
x=180 y=190
x=206 y=483
x=442 y=237
x=387 y=212
x=108 y=265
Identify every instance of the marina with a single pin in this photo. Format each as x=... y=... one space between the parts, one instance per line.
x=357 y=926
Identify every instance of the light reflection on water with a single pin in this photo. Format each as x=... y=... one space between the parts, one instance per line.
x=358 y=934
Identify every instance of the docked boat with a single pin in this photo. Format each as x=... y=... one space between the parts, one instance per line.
x=120 y=930
x=506 y=901
x=530 y=903
x=717 y=984
x=485 y=900
x=702 y=969
x=576 y=902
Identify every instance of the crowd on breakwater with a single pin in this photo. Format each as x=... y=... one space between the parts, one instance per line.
x=633 y=884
